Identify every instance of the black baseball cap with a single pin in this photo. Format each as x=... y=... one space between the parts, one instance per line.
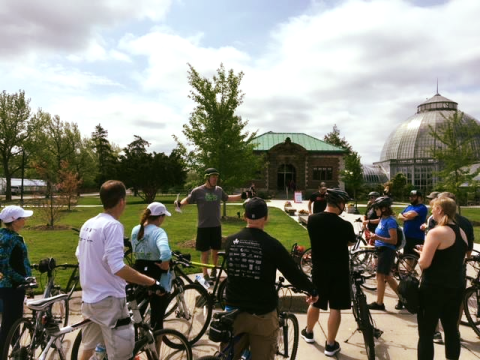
x=416 y=193
x=256 y=208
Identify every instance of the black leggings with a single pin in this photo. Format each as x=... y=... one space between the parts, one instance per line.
x=12 y=311
x=436 y=303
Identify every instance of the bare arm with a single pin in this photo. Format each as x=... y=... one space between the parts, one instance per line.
x=309 y=206
x=235 y=197
x=409 y=215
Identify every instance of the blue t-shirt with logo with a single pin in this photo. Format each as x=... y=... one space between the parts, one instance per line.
x=382 y=230
x=411 y=228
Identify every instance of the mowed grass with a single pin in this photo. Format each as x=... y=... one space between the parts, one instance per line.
x=180 y=227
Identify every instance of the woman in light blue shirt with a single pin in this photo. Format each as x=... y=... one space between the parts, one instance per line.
x=152 y=254
x=385 y=240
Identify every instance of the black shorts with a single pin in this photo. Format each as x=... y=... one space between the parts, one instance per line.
x=209 y=238
x=410 y=245
x=386 y=259
x=333 y=291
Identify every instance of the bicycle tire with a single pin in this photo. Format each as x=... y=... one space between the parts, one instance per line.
x=222 y=294
x=288 y=337
x=181 y=350
x=210 y=357
x=366 y=326
x=193 y=317
x=472 y=309
x=408 y=264
x=19 y=340
x=367 y=261
x=76 y=346
x=60 y=310
x=306 y=262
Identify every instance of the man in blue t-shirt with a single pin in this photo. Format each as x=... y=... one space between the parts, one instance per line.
x=413 y=217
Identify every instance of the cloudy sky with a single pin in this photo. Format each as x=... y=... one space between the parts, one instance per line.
x=364 y=65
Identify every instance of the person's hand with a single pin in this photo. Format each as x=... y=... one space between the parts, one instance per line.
x=311 y=299
x=423 y=227
x=373 y=236
x=157 y=289
x=418 y=249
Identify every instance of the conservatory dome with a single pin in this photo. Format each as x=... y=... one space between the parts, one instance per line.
x=408 y=148
x=412 y=139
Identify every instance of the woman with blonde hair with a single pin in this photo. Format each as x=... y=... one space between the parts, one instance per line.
x=443 y=280
x=152 y=254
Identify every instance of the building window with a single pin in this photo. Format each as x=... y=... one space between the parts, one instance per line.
x=322 y=173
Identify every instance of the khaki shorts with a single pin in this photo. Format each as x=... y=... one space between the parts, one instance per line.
x=260 y=332
x=119 y=340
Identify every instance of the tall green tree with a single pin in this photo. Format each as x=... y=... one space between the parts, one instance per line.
x=106 y=156
x=216 y=133
x=132 y=163
x=454 y=150
x=353 y=173
x=17 y=127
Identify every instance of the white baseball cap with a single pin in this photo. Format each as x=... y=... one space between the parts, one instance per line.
x=13 y=212
x=157 y=209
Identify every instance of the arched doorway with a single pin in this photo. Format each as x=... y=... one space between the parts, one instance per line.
x=285 y=174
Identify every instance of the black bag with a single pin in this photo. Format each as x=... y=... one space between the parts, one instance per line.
x=401 y=240
x=409 y=293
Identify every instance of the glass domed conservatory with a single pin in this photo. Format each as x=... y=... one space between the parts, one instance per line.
x=408 y=148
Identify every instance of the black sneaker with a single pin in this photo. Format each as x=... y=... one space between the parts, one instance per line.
x=399 y=305
x=331 y=350
x=308 y=337
x=213 y=274
x=437 y=338
x=376 y=306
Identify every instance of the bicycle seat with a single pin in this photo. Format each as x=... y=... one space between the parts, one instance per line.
x=43 y=304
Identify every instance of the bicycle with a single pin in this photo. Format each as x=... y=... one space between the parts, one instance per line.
x=361 y=312
x=221 y=330
x=190 y=305
x=42 y=338
x=471 y=297
x=60 y=310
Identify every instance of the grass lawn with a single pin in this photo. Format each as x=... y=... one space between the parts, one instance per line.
x=181 y=230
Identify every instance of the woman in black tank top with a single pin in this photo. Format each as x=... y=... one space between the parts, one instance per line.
x=443 y=280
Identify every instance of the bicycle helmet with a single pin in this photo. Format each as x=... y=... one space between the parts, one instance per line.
x=336 y=196
x=211 y=171
x=383 y=201
x=373 y=193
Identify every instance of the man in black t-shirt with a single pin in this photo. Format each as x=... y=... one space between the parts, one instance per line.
x=370 y=219
x=330 y=237
x=318 y=200
x=253 y=258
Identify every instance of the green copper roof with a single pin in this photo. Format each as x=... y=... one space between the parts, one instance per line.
x=270 y=139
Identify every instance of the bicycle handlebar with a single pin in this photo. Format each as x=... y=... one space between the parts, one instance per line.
x=280 y=285
x=30 y=283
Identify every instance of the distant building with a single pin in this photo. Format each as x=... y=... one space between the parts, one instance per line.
x=29 y=186
x=300 y=158
x=408 y=148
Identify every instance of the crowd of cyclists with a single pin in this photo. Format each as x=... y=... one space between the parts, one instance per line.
x=253 y=258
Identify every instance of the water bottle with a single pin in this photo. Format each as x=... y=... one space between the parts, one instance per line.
x=201 y=280
x=100 y=352
x=246 y=355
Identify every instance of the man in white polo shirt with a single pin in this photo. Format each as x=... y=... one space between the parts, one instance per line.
x=103 y=276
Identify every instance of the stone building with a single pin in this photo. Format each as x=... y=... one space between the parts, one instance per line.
x=300 y=158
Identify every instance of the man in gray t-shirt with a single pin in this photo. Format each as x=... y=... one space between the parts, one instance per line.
x=208 y=198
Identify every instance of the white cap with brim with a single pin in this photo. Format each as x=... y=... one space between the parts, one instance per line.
x=157 y=209
x=11 y=213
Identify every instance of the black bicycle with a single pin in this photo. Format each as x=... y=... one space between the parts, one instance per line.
x=361 y=312
x=471 y=297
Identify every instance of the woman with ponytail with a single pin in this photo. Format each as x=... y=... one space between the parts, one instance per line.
x=152 y=254
x=443 y=280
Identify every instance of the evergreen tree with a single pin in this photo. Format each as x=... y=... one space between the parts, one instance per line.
x=106 y=157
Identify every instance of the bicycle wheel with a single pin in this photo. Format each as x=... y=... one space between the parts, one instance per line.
x=471 y=308
x=287 y=342
x=164 y=337
x=60 y=309
x=222 y=294
x=76 y=346
x=193 y=311
x=408 y=264
x=366 y=325
x=19 y=343
x=306 y=262
x=367 y=262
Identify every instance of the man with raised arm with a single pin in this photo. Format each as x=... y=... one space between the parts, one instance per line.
x=103 y=276
x=208 y=198
x=253 y=258
x=330 y=237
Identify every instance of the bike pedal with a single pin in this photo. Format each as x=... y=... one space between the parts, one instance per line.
x=377 y=333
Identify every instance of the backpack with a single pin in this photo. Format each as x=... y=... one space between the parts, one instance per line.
x=408 y=292
x=401 y=240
